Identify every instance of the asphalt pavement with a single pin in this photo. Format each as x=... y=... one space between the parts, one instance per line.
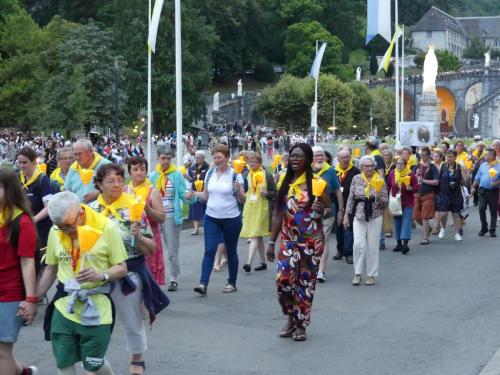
x=433 y=311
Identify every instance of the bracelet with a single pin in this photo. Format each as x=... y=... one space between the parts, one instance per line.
x=272 y=243
x=31 y=299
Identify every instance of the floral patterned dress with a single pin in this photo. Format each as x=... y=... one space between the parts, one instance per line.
x=301 y=246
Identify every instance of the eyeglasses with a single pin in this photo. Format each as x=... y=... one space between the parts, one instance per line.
x=369 y=165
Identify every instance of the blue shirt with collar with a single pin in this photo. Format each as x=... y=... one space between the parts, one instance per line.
x=483 y=176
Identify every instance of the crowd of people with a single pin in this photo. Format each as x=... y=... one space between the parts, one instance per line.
x=99 y=231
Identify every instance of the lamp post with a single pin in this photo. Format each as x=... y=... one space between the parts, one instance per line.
x=334 y=120
x=117 y=101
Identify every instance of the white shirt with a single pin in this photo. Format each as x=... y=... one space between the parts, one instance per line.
x=222 y=203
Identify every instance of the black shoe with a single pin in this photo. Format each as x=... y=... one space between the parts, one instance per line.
x=201 y=289
x=461 y=232
x=247 y=267
x=405 y=250
x=398 y=248
x=381 y=246
x=348 y=260
x=262 y=267
x=172 y=286
x=493 y=234
x=338 y=256
x=482 y=232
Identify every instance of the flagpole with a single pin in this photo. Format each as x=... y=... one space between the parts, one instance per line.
x=402 y=112
x=149 y=95
x=178 y=81
x=316 y=101
x=396 y=20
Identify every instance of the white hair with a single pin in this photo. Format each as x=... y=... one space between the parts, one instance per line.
x=318 y=149
x=86 y=142
x=61 y=204
x=201 y=153
x=366 y=158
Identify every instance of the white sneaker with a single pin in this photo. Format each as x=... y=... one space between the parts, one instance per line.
x=441 y=233
x=321 y=277
x=458 y=237
x=356 y=280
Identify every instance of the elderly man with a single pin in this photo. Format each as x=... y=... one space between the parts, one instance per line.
x=325 y=171
x=345 y=172
x=172 y=187
x=87 y=160
x=80 y=316
x=64 y=160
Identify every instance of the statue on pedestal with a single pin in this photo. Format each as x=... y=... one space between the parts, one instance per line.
x=487 y=58
x=216 y=102
x=358 y=74
x=430 y=72
x=476 y=121
x=240 y=88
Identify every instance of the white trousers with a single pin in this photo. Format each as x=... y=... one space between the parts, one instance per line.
x=366 y=245
x=129 y=309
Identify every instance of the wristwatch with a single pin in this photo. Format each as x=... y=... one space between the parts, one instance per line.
x=105 y=276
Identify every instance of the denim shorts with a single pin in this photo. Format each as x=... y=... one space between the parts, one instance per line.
x=11 y=323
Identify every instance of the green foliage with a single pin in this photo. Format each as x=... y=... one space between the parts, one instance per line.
x=264 y=71
x=361 y=104
x=475 y=50
x=447 y=61
x=390 y=70
x=373 y=64
x=383 y=110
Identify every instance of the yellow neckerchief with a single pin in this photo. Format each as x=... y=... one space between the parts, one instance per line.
x=323 y=169
x=388 y=169
x=412 y=161
x=463 y=157
x=141 y=190
x=370 y=183
x=124 y=201
x=161 y=182
x=341 y=173
x=33 y=178
x=475 y=153
x=94 y=220
x=493 y=163
x=375 y=152
x=4 y=216
x=97 y=158
x=56 y=176
x=398 y=175
x=252 y=177
x=294 y=187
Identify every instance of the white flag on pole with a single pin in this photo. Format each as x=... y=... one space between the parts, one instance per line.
x=153 y=28
x=317 y=62
x=378 y=19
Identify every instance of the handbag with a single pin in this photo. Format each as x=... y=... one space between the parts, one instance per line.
x=395 y=205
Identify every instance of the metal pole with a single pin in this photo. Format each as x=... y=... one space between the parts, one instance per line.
x=178 y=80
x=334 y=119
x=117 y=102
x=396 y=21
x=149 y=143
x=371 y=120
x=402 y=113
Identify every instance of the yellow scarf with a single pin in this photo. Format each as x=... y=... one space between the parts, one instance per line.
x=493 y=163
x=92 y=219
x=341 y=173
x=323 y=169
x=476 y=153
x=161 y=182
x=97 y=158
x=56 y=176
x=294 y=187
x=375 y=152
x=141 y=190
x=463 y=157
x=124 y=201
x=370 y=183
x=388 y=169
x=33 y=178
x=4 y=215
x=411 y=161
x=399 y=176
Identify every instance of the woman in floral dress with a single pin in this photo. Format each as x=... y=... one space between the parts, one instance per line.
x=298 y=219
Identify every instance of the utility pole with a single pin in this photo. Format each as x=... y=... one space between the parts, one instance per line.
x=334 y=120
x=117 y=101
x=371 y=120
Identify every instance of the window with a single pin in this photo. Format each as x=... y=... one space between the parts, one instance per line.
x=429 y=34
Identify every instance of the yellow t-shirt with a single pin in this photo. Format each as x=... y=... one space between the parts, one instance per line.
x=106 y=252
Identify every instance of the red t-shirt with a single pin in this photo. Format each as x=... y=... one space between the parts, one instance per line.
x=11 y=278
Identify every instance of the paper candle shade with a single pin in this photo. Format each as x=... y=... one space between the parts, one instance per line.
x=277 y=158
x=318 y=187
x=468 y=164
x=198 y=185
x=242 y=158
x=378 y=183
x=43 y=167
x=258 y=178
x=136 y=210
x=406 y=180
x=238 y=166
x=492 y=172
x=356 y=152
x=274 y=165
x=182 y=170
x=86 y=175
x=87 y=237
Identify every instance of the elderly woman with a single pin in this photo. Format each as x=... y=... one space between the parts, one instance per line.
x=18 y=300
x=403 y=182
x=138 y=287
x=197 y=172
x=257 y=211
x=298 y=219
x=64 y=160
x=223 y=195
x=38 y=189
x=365 y=206
x=141 y=187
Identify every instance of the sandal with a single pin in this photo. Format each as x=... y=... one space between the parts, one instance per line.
x=216 y=269
x=134 y=365
x=425 y=242
x=299 y=336
x=288 y=331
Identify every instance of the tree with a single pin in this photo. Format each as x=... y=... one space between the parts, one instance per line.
x=390 y=70
x=373 y=64
x=361 y=104
x=475 y=50
x=447 y=61
x=383 y=110
x=78 y=100
x=264 y=71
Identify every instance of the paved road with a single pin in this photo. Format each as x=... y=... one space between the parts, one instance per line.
x=434 y=311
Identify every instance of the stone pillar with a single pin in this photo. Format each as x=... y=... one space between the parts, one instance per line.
x=215 y=116
x=429 y=111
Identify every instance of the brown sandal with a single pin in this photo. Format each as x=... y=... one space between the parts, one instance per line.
x=299 y=336
x=288 y=332
x=137 y=367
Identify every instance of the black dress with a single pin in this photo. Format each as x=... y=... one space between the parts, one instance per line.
x=449 y=197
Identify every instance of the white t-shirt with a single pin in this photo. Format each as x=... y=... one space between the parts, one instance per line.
x=222 y=203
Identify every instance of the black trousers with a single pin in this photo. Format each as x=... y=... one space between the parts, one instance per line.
x=488 y=199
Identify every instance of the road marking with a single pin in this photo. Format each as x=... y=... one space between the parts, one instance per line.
x=493 y=365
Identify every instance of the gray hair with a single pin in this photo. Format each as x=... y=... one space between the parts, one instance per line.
x=61 y=204
x=201 y=154
x=318 y=149
x=343 y=151
x=389 y=152
x=63 y=150
x=85 y=142
x=366 y=158
x=164 y=150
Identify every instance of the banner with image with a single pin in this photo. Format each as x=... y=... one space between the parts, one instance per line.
x=416 y=133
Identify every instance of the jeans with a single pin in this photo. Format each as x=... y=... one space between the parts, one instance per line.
x=402 y=224
x=213 y=229
x=488 y=198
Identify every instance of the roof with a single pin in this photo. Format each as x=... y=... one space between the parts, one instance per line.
x=437 y=20
x=477 y=27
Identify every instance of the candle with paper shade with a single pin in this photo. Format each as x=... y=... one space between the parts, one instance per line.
x=198 y=184
x=182 y=170
x=87 y=237
x=492 y=172
x=469 y=164
x=238 y=166
x=318 y=187
x=379 y=182
x=86 y=175
x=277 y=158
x=258 y=178
x=43 y=167
x=356 y=152
x=136 y=210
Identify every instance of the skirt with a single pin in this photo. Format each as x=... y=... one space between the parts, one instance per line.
x=197 y=211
